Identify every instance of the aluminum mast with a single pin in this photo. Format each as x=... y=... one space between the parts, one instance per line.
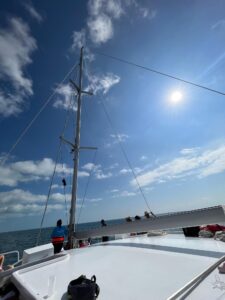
x=76 y=148
x=76 y=155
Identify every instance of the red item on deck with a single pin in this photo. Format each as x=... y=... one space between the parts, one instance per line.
x=213 y=228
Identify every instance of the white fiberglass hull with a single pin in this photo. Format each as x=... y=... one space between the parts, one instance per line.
x=135 y=268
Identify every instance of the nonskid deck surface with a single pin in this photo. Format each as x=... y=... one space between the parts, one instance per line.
x=176 y=243
x=122 y=271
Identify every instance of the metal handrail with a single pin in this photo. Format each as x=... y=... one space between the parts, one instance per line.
x=11 y=252
x=191 y=285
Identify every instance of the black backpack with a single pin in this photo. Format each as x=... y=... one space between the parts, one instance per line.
x=83 y=288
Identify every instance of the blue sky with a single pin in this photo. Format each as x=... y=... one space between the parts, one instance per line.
x=177 y=150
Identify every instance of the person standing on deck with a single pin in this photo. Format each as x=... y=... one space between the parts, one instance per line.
x=58 y=236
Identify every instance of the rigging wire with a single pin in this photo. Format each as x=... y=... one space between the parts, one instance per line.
x=124 y=61
x=87 y=185
x=59 y=151
x=49 y=193
x=64 y=188
x=126 y=157
x=66 y=209
x=122 y=149
x=93 y=161
x=70 y=108
x=36 y=116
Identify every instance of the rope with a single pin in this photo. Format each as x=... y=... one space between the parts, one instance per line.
x=126 y=157
x=160 y=73
x=35 y=117
x=87 y=185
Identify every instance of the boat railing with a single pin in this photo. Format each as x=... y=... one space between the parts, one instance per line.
x=13 y=252
x=194 y=283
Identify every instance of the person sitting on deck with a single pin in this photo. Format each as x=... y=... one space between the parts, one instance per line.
x=2 y=258
x=137 y=218
x=104 y=238
x=58 y=236
x=147 y=215
x=128 y=219
x=81 y=244
x=103 y=223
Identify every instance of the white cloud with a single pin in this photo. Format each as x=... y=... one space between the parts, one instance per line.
x=102 y=83
x=79 y=39
x=121 y=137
x=11 y=174
x=146 y=13
x=58 y=197
x=127 y=194
x=19 y=209
x=189 y=151
x=100 y=29
x=17 y=45
x=99 y=174
x=125 y=171
x=97 y=171
x=101 y=17
x=116 y=138
x=10 y=104
x=114 y=191
x=142 y=11
x=23 y=202
x=89 y=166
x=100 y=20
x=95 y=199
x=114 y=8
x=64 y=98
x=33 y=12
x=143 y=157
x=113 y=166
x=21 y=196
x=56 y=186
x=83 y=174
x=102 y=13
x=199 y=164
x=123 y=194
x=218 y=25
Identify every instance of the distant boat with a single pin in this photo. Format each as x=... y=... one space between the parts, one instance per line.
x=147 y=266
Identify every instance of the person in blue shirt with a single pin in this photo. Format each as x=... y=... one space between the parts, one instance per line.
x=58 y=236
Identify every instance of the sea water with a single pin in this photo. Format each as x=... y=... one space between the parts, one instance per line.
x=25 y=239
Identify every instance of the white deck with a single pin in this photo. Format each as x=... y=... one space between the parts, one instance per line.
x=125 y=269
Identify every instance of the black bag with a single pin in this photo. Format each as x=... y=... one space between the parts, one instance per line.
x=83 y=288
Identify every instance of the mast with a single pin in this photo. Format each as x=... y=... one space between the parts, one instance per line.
x=76 y=155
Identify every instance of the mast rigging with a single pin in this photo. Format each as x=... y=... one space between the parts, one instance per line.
x=76 y=150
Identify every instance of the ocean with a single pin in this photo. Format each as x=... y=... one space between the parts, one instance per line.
x=25 y=239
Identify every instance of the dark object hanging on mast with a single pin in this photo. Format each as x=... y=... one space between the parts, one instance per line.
x=64 y=182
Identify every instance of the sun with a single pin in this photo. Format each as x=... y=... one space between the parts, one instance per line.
x=176 y=97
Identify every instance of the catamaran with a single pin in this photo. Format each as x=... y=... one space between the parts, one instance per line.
x=151 y=265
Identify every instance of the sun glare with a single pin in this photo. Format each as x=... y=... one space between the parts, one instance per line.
x=176 y=97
